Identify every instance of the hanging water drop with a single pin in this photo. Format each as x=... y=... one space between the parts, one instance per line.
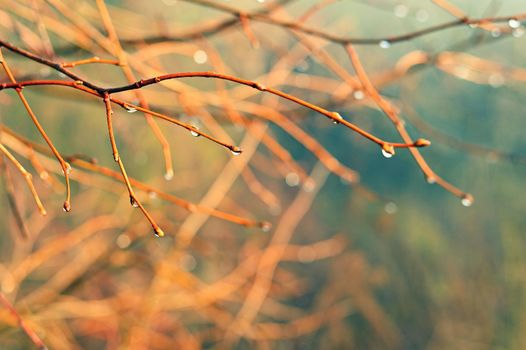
x=514 y=23
x=388 y=150
x=431 y=180
x=358 y=94
x=467 y=200
x=130 y=109
x=265 y=226
x=168 y=175
x=236 y=150
x=68 y=169
x=384 y=44
x=194 y=132
x=134 y=202
x=66 y=207
x=386 y=154
x=158 y=232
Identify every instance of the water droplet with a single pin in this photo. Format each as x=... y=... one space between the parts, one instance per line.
x=391 y=208
x=168 y=175
x=265 y=226
x=385 y=44
x=158 y=232
x=401 y=11
x=337 y=116
x=133 y=202
x=44 y=175
x=358 y=94
x=309 y=185
x=431 y=180
x=387 y=150
x=194 y=132
x=496 y=32
x=467 y=200
x=517 y=33
x=496 y=80
x=152 y=195
x=386 y=154
x=188 y=262
x=200 y=57
x=236 y=150
x=130 y=109
x=123 y=241
x=292 y=179
x=422 y=15
x=68 y=169
x=302 y=67
x=514 y=23
x=66 y=207
x=116 y=157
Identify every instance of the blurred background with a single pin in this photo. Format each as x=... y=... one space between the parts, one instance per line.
x=389 y=262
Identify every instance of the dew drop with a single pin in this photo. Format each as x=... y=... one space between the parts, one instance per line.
x=391 y=208
x=194 y=132
x=158 y=232
x=130 y=109
x=422 y=15
x=265 y=226
x=123 y=241
x=514 y=23
x=68 y=169
x=133 y=202
x=384 y=44
x=236 y=150
x=401 y=11
x=116 y=157
x=200 y=57
x=358 y=94
x=431 y=180
x=152 y=195
x=388 y=150
x=188 y=262
x=292 y=179
x=337 y=116
x=66 y=207
x=168 y=175
x=309 y=185
x=517 y=33
x=496 y=80
x=467 y=200
x=386 y=154
x=496 y=32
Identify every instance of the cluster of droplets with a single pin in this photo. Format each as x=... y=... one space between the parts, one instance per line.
x=402 y=11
